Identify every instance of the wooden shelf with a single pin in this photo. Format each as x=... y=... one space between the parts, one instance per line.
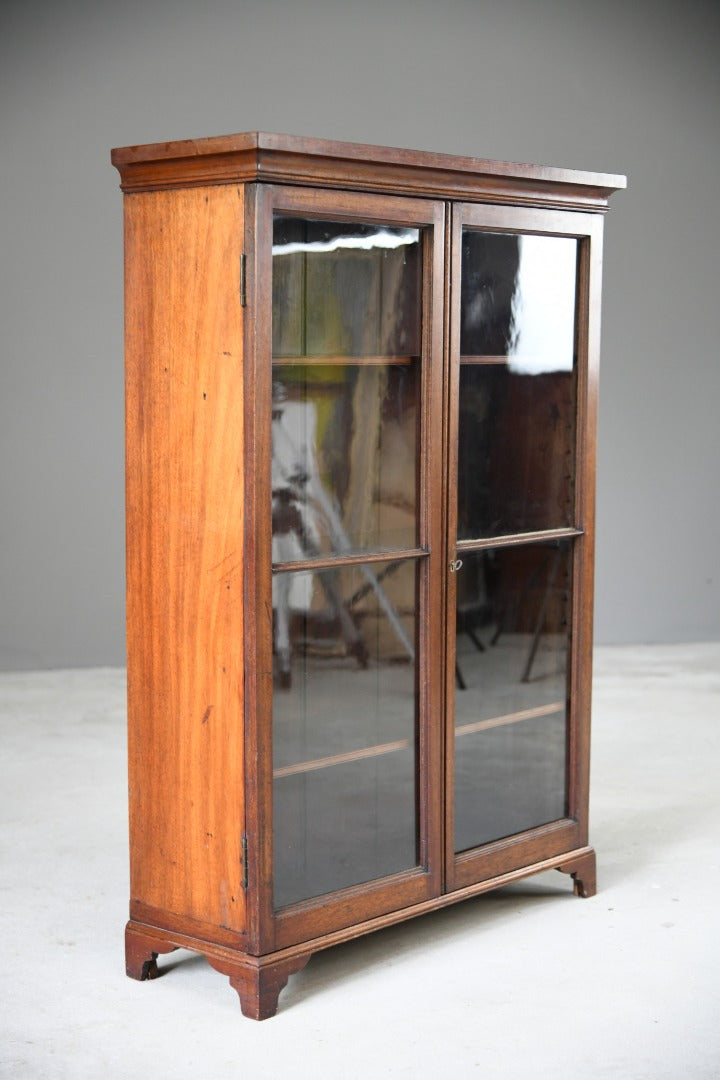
x=540 y=536
x=342 y=361
x=340 y=759
x=337 y=562
x=542 y=365
x=404 y=744
x=510 y=718
x=487 y=359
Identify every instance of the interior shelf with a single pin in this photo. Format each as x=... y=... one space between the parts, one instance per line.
x=511 y=718
x=341 y=361
x=537 y=536
x=523 y=362
x=488 y=358
x=338 y=560
x=404 y=744
x=340 y=759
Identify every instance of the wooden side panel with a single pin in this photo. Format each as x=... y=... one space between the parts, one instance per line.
x=184 y=484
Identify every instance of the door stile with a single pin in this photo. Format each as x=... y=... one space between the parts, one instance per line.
x=257 y=869
x=429 y=647
x=588 y=349
x=452 y=385
x=445 y=788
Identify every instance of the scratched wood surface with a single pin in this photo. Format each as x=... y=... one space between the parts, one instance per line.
x=185 y=552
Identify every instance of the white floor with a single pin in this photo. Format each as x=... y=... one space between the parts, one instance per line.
x=529 y=981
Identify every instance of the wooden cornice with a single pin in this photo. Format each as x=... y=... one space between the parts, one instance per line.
x=288 y=159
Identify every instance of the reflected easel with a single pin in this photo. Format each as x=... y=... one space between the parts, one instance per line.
x=305 y=522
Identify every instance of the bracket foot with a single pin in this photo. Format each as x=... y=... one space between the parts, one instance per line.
x=141 y=953
x=259 y=984
x=582 y=871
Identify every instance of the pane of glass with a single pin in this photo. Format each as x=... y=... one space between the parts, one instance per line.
x=344 y=727
x=346 y=344
x=517 y=384
x=344 y=471
x=345 y=289
x=512 y=622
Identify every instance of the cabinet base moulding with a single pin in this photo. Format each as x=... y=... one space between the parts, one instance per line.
x=259 y=980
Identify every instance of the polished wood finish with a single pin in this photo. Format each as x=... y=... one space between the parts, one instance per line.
x=318 y=162
x=582 y=871
x=198 y=223
x=184 y=498
x=258 y=982
x=145 y=943
x=141 y=953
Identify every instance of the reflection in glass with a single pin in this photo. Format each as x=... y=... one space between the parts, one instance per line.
x=345 y=289
x=517 y=384
x=344 y=470
x=346 y=344
x=518 y=299
x=511 y=689
x=344 y=727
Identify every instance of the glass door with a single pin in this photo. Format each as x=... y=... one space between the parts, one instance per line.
x=518 y=564
x=348 y=400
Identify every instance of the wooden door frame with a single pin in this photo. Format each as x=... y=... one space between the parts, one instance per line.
x=270 y=930
x=569 y=833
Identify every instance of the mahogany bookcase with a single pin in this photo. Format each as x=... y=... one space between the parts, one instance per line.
x=361 y=421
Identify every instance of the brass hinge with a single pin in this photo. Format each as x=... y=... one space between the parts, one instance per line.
x=243 y=276
x=244 y=862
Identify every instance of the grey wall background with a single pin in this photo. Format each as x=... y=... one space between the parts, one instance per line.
x=615 y=87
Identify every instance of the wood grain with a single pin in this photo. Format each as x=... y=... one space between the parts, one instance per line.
x=184 y=482
x=146 y=939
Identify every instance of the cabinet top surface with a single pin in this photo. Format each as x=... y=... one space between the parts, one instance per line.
x=294 y=159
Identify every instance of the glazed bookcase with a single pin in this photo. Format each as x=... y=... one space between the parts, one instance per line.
x=361 y=410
